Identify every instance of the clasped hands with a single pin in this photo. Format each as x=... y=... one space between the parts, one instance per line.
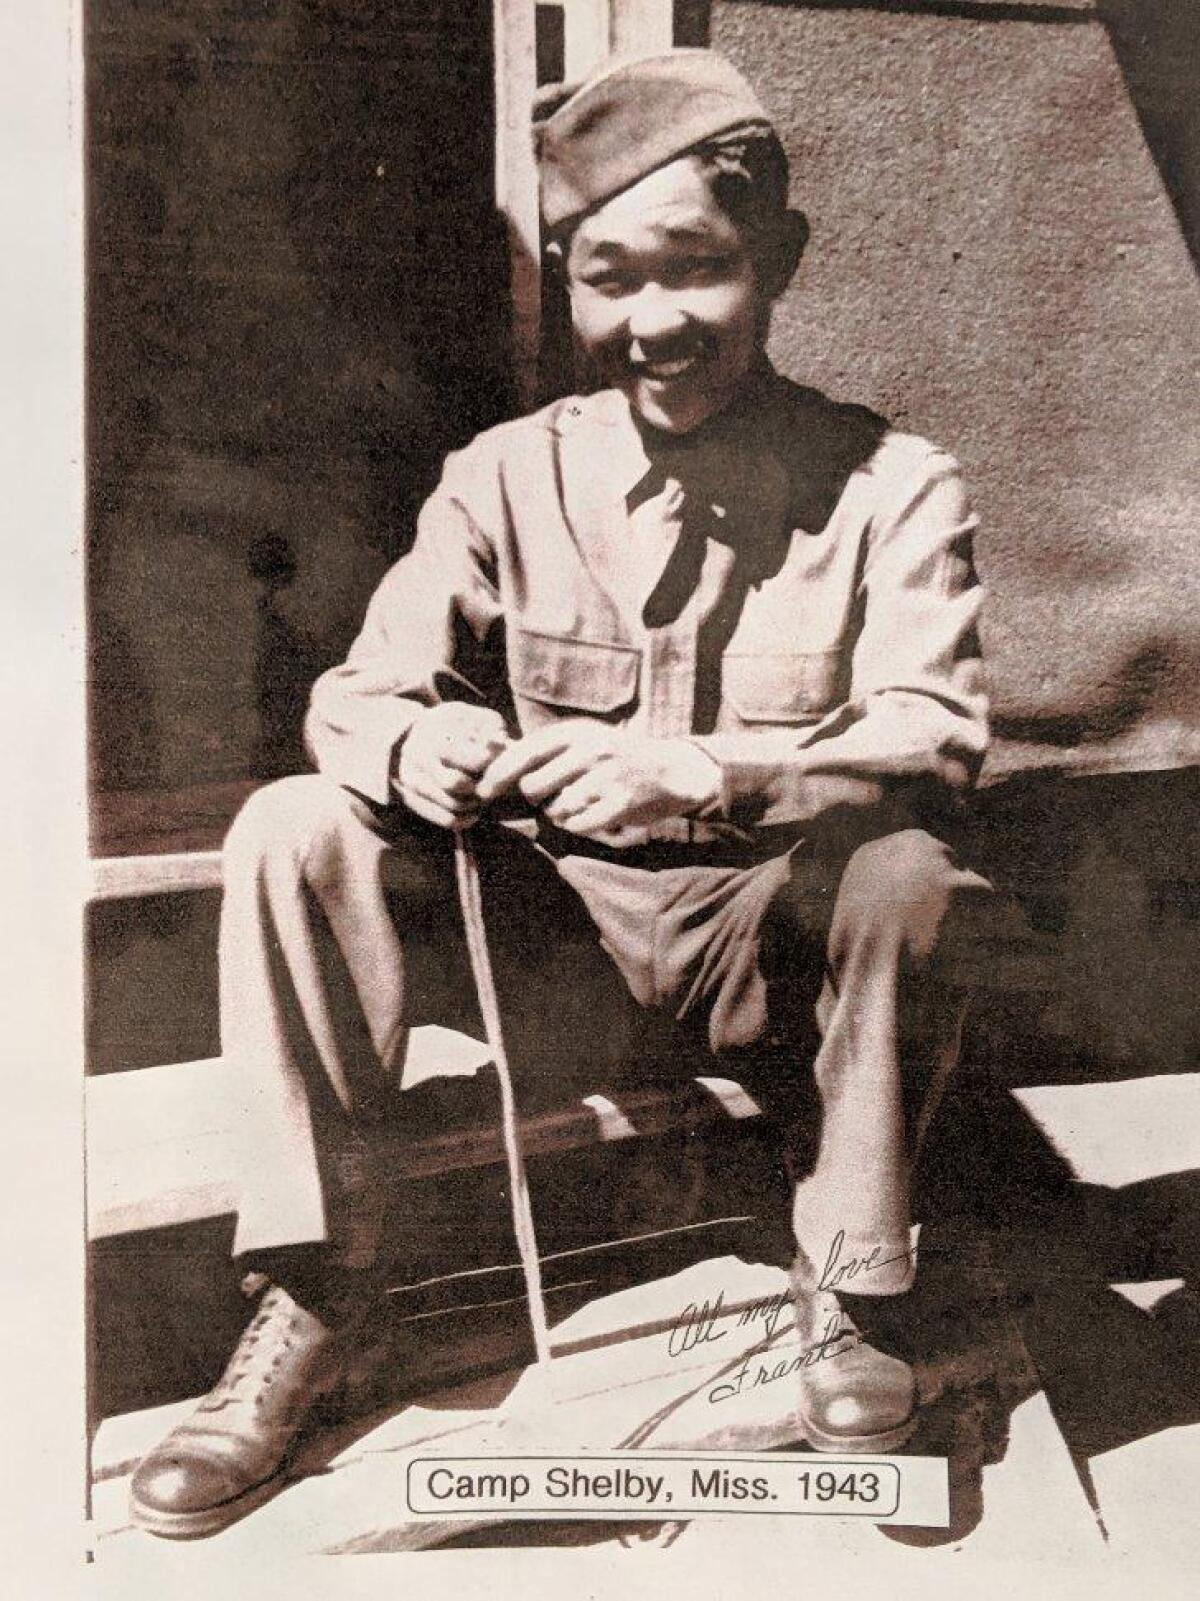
x=586 y=777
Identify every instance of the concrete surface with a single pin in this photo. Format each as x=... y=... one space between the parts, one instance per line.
x=1033 y=1485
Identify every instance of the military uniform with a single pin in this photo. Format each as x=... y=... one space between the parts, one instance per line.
x=793 y=589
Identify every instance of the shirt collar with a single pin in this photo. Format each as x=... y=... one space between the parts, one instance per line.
x=629 y=450
x=720 y=452
x=778 y=451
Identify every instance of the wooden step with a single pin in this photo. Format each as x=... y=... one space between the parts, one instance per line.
x=124 y=877
x=162 y=1146
x=164 y=1173
x=613 y=1379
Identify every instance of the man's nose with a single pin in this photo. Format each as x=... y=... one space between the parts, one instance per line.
x=656 y=316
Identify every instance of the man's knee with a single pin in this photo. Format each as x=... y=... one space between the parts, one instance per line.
x=906 y=888
x=305 y=820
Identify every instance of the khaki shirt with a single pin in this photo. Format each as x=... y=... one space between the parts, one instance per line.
x=792 y=587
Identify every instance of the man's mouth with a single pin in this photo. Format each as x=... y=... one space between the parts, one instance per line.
x=665 y=371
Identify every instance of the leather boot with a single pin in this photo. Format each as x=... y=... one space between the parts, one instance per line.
x=853 y=1398
x=229 y=1456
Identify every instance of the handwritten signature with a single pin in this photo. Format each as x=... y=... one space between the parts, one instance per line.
x=696 y=1325
x=839 y=1270
x=836 y=1339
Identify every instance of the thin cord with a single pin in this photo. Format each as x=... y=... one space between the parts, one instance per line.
x=470 y=897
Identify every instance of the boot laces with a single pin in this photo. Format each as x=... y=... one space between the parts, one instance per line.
x=833 y=1329
x=261 y=1349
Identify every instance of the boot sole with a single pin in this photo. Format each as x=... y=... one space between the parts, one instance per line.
x=859 y=1444
x=327 y=1399
x=206 y=1520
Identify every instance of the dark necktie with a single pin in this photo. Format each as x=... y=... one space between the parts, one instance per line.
x=681 y=573
x=734 y=492
x=698 y=523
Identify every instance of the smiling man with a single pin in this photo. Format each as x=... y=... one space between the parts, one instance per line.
x=707 y=642
x=666 y=296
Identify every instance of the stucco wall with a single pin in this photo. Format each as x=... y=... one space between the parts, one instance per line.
x=994 y=262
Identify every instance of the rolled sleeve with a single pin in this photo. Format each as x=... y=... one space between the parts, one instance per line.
x=360 y=712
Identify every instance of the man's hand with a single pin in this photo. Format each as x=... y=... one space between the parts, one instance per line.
x=441 y=759
x=596 y=780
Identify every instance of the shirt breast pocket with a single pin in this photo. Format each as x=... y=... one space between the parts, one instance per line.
x=558 y=675
x=797 y=687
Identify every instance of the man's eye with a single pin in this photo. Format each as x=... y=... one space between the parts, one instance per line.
x=700 y=269
x=611 y=284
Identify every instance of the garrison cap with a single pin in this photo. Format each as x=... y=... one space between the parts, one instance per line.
x=634 y=115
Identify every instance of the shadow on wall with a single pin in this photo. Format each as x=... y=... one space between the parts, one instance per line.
x=1105 y=874
x=285 y=663
x=1115 y=707
x=1157 y=44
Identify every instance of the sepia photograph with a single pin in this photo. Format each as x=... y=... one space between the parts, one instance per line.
x=641 y=646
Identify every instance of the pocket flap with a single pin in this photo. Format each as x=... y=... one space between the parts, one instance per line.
x=781 y=688
x=583 y=674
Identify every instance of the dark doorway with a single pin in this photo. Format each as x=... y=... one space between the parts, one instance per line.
x=297 y=303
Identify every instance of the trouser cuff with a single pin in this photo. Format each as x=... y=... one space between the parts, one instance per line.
x=314 y=1280
x=868 y=1265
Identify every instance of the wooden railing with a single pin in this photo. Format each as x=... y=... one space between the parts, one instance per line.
x=590 y=30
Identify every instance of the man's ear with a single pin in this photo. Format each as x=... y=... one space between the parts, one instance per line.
x=782 y=255
x=554 y=263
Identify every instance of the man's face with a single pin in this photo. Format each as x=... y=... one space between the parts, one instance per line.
x=665 y=298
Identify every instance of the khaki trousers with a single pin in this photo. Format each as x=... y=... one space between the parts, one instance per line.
x=341 y=932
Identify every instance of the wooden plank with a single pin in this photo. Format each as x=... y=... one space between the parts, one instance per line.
x=151 y=822
x=641 y=27
x=586 y=38
x=162 y=1144
x=517 y=182
x=1123 y=1132
x=118 y=877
